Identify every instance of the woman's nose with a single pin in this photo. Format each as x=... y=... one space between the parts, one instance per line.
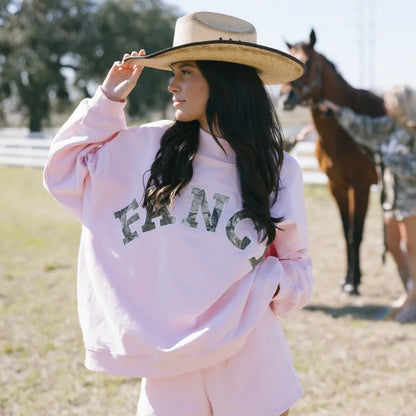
x=173 y=85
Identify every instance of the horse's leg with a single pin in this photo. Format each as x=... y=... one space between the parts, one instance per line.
x=360 y=201
x=341 y=197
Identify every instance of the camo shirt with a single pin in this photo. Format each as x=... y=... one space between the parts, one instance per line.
x=397 y=149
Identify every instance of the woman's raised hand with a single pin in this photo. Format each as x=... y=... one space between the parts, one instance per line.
x=122 y=78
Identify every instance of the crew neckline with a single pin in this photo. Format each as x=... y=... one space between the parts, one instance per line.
x=209 y=147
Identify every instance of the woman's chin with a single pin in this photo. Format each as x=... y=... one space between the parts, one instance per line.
x=180 y=116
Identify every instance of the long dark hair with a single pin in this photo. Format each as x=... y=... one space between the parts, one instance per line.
x=241 y=110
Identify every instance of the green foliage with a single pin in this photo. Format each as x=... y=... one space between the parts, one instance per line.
x=121 y=27
x=48 y=47
x=34 y=36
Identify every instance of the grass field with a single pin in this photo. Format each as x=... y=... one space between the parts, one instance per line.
x=350 y=360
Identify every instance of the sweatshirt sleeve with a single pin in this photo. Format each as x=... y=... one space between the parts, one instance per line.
x=73 y=152
x=371 y=132
x=289 y=250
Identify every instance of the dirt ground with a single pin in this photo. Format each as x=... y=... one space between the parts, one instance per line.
x=350 y=358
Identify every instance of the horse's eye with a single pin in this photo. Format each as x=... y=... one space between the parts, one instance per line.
x=308 y=64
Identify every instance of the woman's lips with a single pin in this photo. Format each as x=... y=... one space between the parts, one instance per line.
x=177 y=101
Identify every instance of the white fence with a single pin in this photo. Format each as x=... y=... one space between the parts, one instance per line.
x=304 y=153
x=24 y=152
x=33 y=151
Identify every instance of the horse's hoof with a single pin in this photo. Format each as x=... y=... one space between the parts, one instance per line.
x=350 y=289
x=342 y=283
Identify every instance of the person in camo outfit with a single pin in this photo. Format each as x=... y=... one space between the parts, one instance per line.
x=393 y=138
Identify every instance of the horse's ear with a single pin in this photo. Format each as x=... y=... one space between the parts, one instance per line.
x=289 y=46
x=312 y=39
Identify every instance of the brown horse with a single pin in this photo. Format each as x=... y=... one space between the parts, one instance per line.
x=350 y=169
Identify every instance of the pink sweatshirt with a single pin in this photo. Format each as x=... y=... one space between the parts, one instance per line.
x=181 y=289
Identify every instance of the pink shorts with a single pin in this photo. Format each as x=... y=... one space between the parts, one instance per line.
x=257 y=381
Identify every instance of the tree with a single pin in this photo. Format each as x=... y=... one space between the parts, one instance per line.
x=125 y=26
x=34 y=35
x=41 y=39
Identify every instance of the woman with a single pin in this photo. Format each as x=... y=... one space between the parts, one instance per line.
x=393 y=137
x=194 y=231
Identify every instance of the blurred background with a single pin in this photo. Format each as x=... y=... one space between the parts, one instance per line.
x=55 y=52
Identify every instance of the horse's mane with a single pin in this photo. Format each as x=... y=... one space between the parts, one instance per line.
x=330 y=63
x=359 y=100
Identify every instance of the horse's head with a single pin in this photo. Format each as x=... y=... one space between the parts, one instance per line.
x=307 y=88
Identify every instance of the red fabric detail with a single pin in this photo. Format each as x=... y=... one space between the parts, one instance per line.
x=271 y=251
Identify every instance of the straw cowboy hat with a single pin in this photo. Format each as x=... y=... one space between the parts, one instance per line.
x=218 y=37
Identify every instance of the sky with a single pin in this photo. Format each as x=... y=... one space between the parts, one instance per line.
x=372 y=42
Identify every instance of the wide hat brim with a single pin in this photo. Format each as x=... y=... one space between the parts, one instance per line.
x=273 y=66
